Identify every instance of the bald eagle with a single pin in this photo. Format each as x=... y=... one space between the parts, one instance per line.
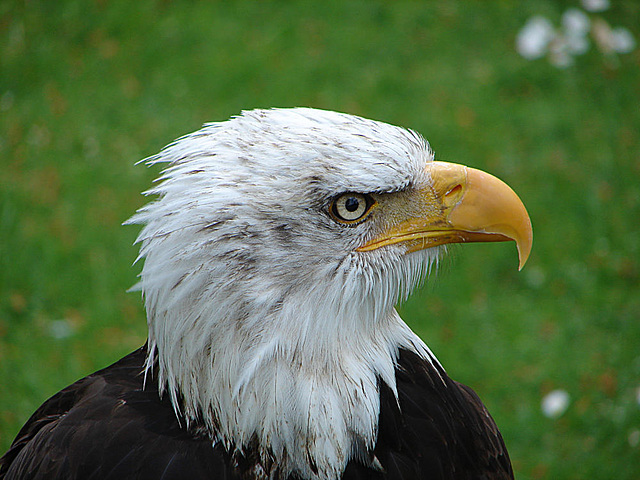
x=275 y=249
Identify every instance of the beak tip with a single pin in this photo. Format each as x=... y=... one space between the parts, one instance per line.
x=521 y=265
x=524 y=248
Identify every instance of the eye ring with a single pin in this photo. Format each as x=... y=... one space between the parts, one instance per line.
x=351 y=208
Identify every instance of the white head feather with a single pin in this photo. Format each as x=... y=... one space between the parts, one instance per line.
x=267 y=324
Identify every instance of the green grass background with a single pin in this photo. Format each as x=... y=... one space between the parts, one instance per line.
x=87 y=88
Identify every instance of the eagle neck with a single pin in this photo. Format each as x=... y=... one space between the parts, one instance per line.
x=297 y=388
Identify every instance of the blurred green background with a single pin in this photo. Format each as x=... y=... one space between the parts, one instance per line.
x=87 y=88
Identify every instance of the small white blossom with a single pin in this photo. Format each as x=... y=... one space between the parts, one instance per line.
x=595 y=5
x=576 y=22
x=534 y=38
x=623 y=40
x=555 y=403
x=60 y=329
x=576 y=25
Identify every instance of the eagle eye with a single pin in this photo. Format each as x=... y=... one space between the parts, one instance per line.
x=351 y=208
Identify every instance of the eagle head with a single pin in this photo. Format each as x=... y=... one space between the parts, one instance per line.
x=274 y=253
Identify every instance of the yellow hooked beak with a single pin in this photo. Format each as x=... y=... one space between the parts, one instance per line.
x=461 y=205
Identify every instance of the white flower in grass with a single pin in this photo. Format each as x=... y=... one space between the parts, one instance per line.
x=610 y=40
x=555 y=403
x=534 y=38
x=576 y=25
x=623 y=40
x=575 y=22
x=60 y=329
x=595 y=5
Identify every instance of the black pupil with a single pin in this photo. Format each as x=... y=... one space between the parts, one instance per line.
x=352 y=204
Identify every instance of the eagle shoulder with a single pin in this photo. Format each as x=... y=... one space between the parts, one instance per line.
x=435 y=428
x=108 y=426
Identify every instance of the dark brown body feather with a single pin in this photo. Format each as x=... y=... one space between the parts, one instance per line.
x=106 y=426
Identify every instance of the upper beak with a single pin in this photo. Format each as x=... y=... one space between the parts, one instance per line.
x=460 y=205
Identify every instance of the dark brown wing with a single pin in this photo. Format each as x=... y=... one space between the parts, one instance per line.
x=106 y=426
x=438 y=429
